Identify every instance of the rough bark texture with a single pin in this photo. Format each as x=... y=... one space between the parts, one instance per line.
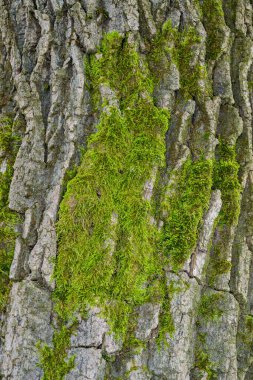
x=42 y=80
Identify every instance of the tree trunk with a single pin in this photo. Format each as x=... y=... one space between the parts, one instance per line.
x=176 y=81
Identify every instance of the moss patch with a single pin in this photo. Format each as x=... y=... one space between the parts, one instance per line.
x=9 y=144
x=206 y=368
x=209 y=308
x=227 y=181
x=161 y=51
x=111 y=252
x=210 y=311
x=185 y=210
x=179 y=47
x=108 y=246
x=50 y=359
x=213 y=19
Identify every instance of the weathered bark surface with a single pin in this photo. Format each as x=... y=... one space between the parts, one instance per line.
x=42 y=78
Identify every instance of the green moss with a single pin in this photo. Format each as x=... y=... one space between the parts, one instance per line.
x=249 y=323
x=161 y=51
x=219 y=264
x=185 y=211
x=204 y=364
x=190 y=75
x=248 y=335
x=209 y=308
x=69 y=175
x=213 y=19
x=46 y=86
x=8 y=219
x=166 y=323
x=171 y=45
x=229 y=9
x=245 y=335
x=114 y=170
x=118 y=162
x=50 y=359
x=108 y=252
x=198 y=7
x=226 y=180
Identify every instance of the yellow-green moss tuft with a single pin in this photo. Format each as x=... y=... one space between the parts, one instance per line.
x=173 y=46
x=226 y=180
x=213 y=19
x=186 y=208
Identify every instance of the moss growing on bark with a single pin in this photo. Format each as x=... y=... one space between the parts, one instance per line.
x=209 y=307
x=219 y=264
x=210 y=311
x=190 y=73
x=185 y=210
x=161 y=51
x=219 y=261
x=54 y=362
x=8 y=219
x=111 y=252
x=173 y=46
x=213 y=19
x=226 y=180
x=205 y=367
x=108 y=246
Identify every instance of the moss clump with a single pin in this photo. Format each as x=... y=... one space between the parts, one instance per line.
x=171 y=45
x=166 y=323
x=161 y=51
x=209 y=308
x=185 y=210
x=124 y=74
x=190 y=74
x=219 y=264
x=111 y=254
x=213 y=19
x=198 y=6
x=9 y=144
x=205 y=365
x=226 y=180
x=245 y=334
x=249 y=323
x=50 y=359
x=108 y=253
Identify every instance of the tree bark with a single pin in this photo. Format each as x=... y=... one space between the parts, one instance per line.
x=43 y=83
